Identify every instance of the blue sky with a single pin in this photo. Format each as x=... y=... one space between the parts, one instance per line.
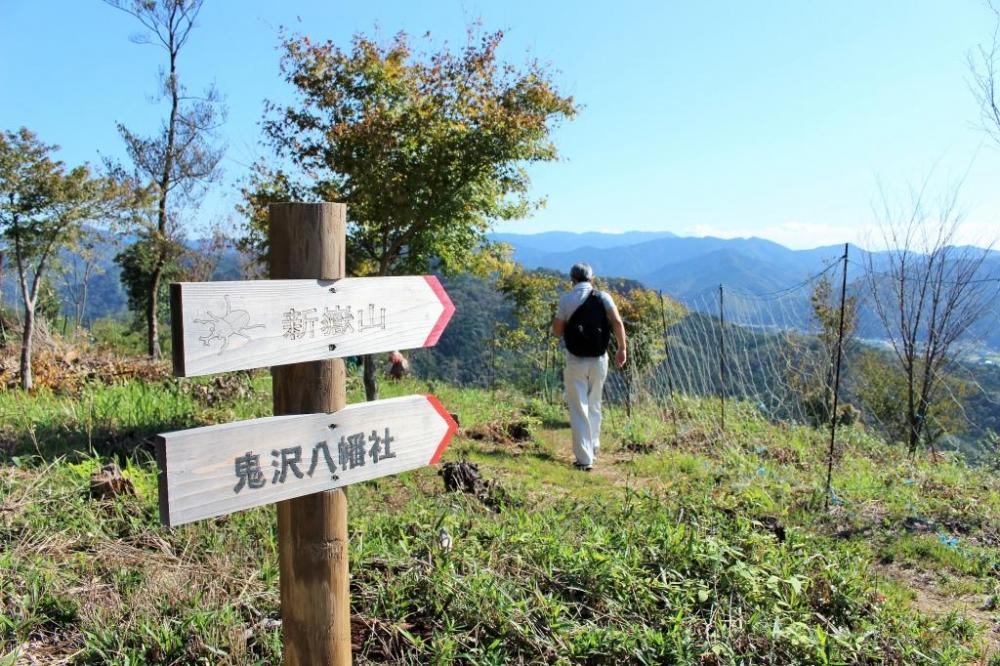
x=734 y=118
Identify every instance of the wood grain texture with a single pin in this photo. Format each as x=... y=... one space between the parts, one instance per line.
x=199 y=465
x=308 y=241
x=225 y=326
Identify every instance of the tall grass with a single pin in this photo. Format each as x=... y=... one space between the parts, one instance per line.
x=681 y=547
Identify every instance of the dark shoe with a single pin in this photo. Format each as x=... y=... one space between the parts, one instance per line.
x=582 y=467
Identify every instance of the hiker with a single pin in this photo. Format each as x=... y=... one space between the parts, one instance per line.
x=585 y=318
x=399 y=367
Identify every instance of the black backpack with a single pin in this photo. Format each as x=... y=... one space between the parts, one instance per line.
x=588 y=330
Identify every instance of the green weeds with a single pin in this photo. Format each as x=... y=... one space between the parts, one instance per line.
x=682 y=546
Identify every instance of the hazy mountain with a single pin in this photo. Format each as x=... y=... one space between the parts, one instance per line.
x=648 y=260
x=569 y=240
x=106 y=296
x=705 y=272
x=686 y=264
x=690 y=269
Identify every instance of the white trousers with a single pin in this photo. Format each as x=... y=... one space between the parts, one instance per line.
x=584 y=379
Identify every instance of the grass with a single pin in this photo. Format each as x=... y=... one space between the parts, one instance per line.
x=683 y=546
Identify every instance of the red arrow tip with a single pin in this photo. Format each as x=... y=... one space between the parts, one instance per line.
x=449 y=310
x=452 y=427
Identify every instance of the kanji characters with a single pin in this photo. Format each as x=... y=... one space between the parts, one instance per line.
x=337 y=321
x=352 y=451
x=247 y=469
x=297 y=324
x=324 y=449
x=285 y=460
x=362 y=326
x=380 y=446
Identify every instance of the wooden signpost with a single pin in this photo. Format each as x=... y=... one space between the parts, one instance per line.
x=219 y=469
x=301 y=322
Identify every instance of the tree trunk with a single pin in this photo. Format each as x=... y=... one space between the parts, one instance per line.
x=923 y=407
x=913 y=440
x=81 y=304
x=3 y=329
x=27 y=382
x=152 y=315
x=913 y=433
x=371 y=377
x=152 y=302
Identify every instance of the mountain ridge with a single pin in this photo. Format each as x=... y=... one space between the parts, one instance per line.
x=690 y=268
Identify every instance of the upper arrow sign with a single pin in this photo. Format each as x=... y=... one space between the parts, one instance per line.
x=221 y=326
x=220 y=469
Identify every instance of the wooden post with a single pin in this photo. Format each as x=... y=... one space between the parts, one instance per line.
x=836 y=384
x=308 y=241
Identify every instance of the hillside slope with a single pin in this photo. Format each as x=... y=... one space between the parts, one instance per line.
x=691 y=277
x=686 y=546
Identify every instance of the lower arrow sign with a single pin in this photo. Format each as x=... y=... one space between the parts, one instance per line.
x=220 y=469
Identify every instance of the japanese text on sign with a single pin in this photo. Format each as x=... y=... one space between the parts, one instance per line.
x=335 y=321
x=352 y=451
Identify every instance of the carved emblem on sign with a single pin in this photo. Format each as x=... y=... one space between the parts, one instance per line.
x=227 y=325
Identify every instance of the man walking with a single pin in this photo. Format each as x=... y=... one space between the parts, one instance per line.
x=585 y=318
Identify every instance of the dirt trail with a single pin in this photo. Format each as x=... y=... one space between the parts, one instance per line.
x=931 y=599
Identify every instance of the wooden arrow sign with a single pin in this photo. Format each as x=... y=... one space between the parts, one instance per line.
x=220 y=326
x=220 y=469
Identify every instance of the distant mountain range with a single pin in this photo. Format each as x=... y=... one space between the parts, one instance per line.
x=571 y=240
x=681 y=266
x=690 y=269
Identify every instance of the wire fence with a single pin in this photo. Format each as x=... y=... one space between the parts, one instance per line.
x=769 y=353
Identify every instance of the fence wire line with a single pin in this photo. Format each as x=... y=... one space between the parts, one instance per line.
x=777 y=368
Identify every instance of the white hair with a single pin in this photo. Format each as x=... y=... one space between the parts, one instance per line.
x=581 y=272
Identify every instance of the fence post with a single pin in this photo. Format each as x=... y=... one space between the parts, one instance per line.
x=722 y=360
x=666 y=364
x=307 y=241
x=836 y=384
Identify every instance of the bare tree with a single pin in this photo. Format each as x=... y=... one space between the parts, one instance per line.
x=984 y=64
x=927 y=292
x=78 y=271
x=179 y=162
x=206 y=255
